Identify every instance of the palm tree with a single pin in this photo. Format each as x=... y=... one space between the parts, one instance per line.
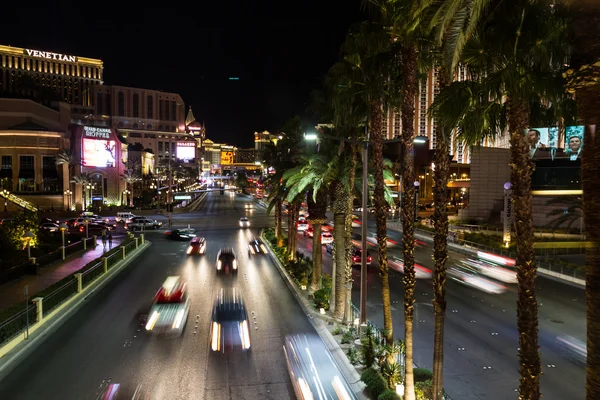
x=583 y=80
x=82 y=179
x=571 y=211
x=130 y=175
x=515 y=58
x=67 y=157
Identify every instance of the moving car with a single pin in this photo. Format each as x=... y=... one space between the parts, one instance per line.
x=248 y=206
x=180 y=234
x=230 y=327
x=124 y=217
x=170 y=308
x=468 y=276
x=197 y=246
x=313 y=372
x=397 y=263
x=309 y=232
x=141 y=223
x=256 y=246
x=302 y=224
x=326 y=238
x=226 y=261
x=244 y=222
x=357 y=256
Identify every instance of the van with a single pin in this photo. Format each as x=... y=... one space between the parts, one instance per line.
x=124 y=217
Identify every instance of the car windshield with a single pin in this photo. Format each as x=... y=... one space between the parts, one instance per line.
x=226 y=313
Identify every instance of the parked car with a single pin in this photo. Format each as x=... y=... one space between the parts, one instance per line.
x=140 y=223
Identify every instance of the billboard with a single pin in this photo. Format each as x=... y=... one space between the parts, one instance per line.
x=544 y=143
x=226 y=157
x=98 y=153
x=186 y=151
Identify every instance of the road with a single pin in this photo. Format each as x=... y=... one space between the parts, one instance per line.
x=481 y=338
x=105 y=340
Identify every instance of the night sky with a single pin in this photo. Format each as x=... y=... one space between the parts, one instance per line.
x=279 y=50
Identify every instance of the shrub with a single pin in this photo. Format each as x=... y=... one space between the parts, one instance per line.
x=337 y=331
x=326 y=281
x=389 y=395
x=352 y=356
x=347 y=337
x=374 y=381
x=368 y=350
x=422 y=374
x=321 y=298
x=423 y=390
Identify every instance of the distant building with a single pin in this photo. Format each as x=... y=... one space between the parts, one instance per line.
x=247 y=156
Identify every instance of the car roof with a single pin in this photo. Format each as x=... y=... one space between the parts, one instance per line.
x=226 y=251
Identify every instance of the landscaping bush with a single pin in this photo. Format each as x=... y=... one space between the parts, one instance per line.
x=374 y=381
x=422 y=374
x=424 y=390
x=348 y=337
x=299 y=269
x=368 y=349
x=321 y=298
x=326 y=281
x=389 y=395
x=352 y=356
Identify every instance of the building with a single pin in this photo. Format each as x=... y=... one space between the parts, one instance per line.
x=46 y=76
x=247 y=156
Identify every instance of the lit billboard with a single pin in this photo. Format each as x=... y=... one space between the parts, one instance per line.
x=186 y=151
x=226 y=157
x=544 y=143
x=98 y=153
x=574 y=141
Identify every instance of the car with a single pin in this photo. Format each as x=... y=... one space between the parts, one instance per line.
x=397 y=263
x=180 y=234
x=244 y=222
x=141 y=223
x=469 y=276
x=197 y=246
x=124 y=217
x=302 y=225
x=248 y=206
x=357 y=256
x=92 y=229
x=50 y=227
x=309 y=232
x=313 y=372
x=230 y=327
x=226 y=261
x=256 y=246
x=170 y=308
x=326 y=238
x=329 y=248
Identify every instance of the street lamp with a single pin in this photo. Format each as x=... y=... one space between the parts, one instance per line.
x=68 y=194
x=63 y=227
x=507 y=213
x=417 y=184
x=28 y=236
x=5 y=194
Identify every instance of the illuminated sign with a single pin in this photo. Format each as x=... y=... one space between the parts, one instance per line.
x=98 y=153
x=183 y=197
x=186 y=151
x=49 y=55
x=91 y=131
x=226 y=157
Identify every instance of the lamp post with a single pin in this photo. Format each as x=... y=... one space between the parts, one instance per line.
x=68 y=194
x=417 y=184
x=86 y=228
x=507 y=213
x=5 y=194
x=28 y=236
x=63 y=227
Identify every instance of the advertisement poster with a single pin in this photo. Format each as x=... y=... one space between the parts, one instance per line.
x=186 y=151
x=574 y=142
x=98 y=153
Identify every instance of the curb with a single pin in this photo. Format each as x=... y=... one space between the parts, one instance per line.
x=349 y=372
x=16 y=355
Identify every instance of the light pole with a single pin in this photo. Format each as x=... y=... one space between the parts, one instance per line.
x=63 y=227
x=86 y=228
x=5 y=194
x=417 y=184
x=28 y=236
x=507 y=213
x=68 y=194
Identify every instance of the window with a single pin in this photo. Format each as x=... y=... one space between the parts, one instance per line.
x=136 y=105
x=6 y=173
x=161 y=106
x=120 y=125
x=26 y=162
x=173 y=111
x=121 y=104
x=51 y=181
x=6 y=162
x=149 y=126
x=160 y=148
x=26 y=174
x=167 y=110
x=99 y=108
x=135 y=126
x=150 y=105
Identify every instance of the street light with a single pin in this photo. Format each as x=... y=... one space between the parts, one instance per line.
x=68 y=194
x=63 y=227
x=507 y=213
x=5 y=194
x=28 y=236
x=417 y=184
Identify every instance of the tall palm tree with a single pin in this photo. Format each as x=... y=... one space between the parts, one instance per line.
x=67 y=157
x=82 y=179
x=130 y=176
x=570 y=212
x=516 y=56
x=584 y=80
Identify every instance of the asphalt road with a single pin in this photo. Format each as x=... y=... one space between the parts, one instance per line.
x=105 y=341
x=481 y=337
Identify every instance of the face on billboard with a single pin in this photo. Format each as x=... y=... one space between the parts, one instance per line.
x=186 y=151
x=573 y=140
x=98 y=153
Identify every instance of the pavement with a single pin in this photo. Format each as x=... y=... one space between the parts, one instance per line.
x=105 y=341
x=481 y=337
x=12 y=293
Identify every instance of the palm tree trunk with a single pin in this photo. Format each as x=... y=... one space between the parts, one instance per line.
x=376 y=116
x=409 y=73
x=527 y=308
x=340 y=261
x=290 y=228
x=278 y=223
x=349 y=207
x=440 y=255
x=317 y=257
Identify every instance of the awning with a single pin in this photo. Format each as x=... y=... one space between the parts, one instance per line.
x=26 y=174
x=6 y=173
x=49 y=173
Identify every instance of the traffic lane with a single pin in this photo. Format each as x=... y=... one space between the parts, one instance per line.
x=481 y=341
x=90 y=343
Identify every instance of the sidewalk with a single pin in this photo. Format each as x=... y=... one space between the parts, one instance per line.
x=13 y=293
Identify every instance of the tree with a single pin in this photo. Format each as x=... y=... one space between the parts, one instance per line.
x=241 y=180
x=67 y=157
x=584 y=80
x=514 y=58
x=82 y=179
x=131 y=174
x=571 y=211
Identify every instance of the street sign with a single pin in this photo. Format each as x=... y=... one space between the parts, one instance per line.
x=183 y=197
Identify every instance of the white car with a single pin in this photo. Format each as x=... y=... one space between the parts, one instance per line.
x=244 y=222
x=493 y=271
x=302 y=225
x=326 y=238
x=397 y=264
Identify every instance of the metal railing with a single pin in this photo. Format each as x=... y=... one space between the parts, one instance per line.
x=92 y=273
x=58 y=296
x=17 y=324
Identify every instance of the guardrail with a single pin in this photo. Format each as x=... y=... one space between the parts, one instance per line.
x=41 y=307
